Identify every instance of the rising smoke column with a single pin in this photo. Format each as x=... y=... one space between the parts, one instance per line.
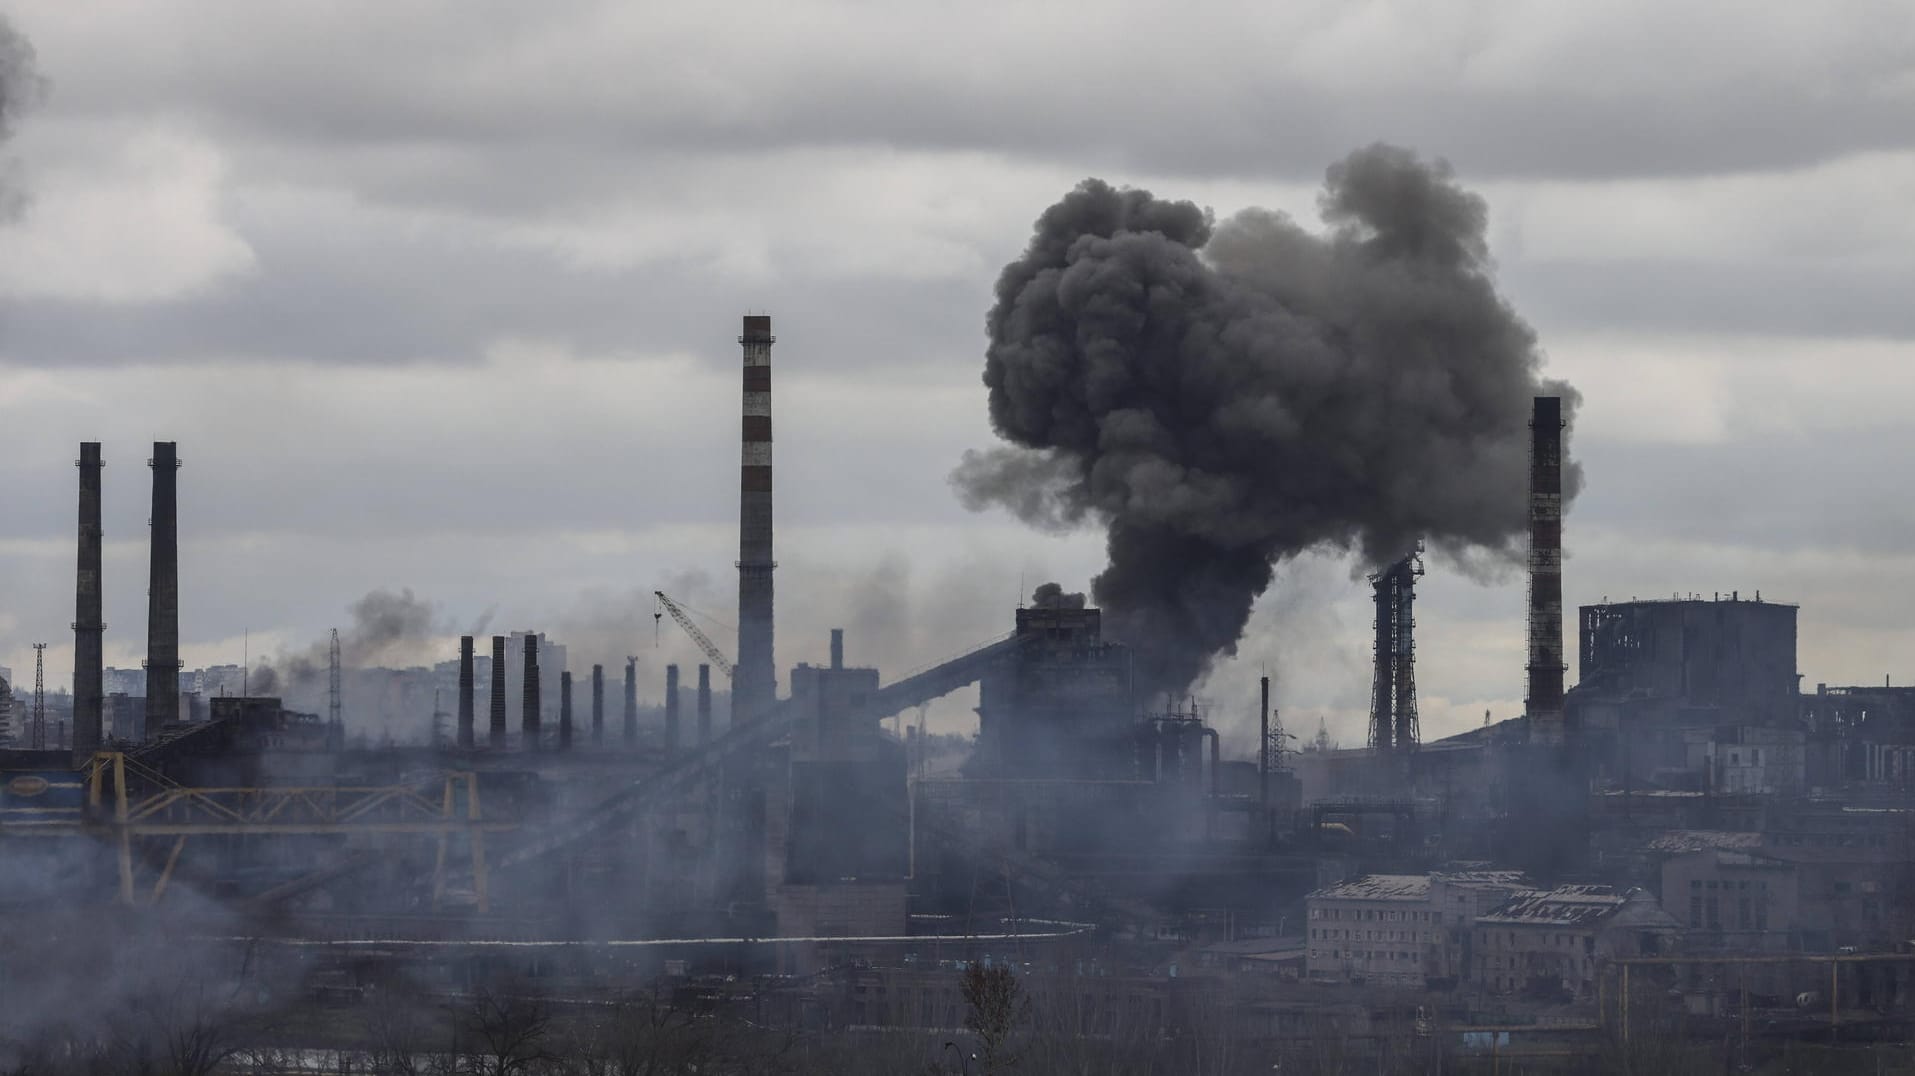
x=387 y=628
x=21 y=87
x=1281 y=391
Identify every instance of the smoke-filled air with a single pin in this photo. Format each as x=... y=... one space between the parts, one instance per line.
x=1222 y=396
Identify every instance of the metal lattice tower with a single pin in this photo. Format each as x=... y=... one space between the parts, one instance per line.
x=37 y=732
x=1275 y=747
x=1393 y=724
x=332 y=685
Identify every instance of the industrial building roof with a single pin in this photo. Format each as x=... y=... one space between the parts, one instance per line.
x=1580 y=906
x=1378 y=887
x=1569 y=905
x=1701 y=840
x=1483 y=877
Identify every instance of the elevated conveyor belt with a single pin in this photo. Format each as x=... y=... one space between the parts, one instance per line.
x=683 y=773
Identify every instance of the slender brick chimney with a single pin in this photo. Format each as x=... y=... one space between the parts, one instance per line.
x=630 y=730
x=163 y=594
x=704 y=705
x=496 y=733
x=529 y=714
x=1545 y=701
x=89 y=627
x=671 y=711
x=598 y=706
x=465 y=691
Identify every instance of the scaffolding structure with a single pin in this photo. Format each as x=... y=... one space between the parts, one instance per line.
x=1393 y=725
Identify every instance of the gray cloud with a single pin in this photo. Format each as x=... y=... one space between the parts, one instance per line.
x=1506 y=90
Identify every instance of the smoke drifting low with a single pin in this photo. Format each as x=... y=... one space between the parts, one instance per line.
x=1221 y=397
x=387 y=629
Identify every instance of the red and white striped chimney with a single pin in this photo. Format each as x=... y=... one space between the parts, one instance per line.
x=754 y=684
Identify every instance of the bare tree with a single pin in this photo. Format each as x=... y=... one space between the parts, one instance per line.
x=650 y=1035
x=508 y=1031
x=995 y=1007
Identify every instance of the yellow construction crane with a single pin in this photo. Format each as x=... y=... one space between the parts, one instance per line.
x=710 y=648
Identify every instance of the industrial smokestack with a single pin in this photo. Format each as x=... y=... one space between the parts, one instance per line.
x=1545 y=701
x=837 y=648
x=497 y=707
x=465 y=691
x=163 y=594
x=631 y=702
x=565 y=710
x=754 y=683
x=704 y=705
x=1263 y=749
x=89 y=629
x=671 y=710
x=598 y=706
x=529 y=714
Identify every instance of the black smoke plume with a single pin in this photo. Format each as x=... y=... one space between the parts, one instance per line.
x=387 y=629
x=1221 y=397
x=21 y=87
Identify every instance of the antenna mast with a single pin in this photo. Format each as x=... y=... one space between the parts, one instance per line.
x=38 y=733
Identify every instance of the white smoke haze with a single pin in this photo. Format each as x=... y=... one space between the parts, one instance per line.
x=1221 y=398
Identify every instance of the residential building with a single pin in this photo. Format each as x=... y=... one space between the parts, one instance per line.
x=1550 y=942
x=1380 y=928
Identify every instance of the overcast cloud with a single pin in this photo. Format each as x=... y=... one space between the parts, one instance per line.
x=445 y=296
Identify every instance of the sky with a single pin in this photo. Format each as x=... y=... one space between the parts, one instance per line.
x=444 y=297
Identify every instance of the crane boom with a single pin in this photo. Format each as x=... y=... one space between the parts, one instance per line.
x=710 y=648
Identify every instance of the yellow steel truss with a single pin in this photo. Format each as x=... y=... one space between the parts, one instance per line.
x=429 y=808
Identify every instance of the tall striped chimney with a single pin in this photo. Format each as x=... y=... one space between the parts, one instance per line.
x=89 y=628
x=1545 y=701
x=496 y=704
x=465 y=691
x=754 y=685
x=163 y=593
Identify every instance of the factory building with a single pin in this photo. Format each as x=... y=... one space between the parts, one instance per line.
x=1062 y=705
x=1653 y=673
